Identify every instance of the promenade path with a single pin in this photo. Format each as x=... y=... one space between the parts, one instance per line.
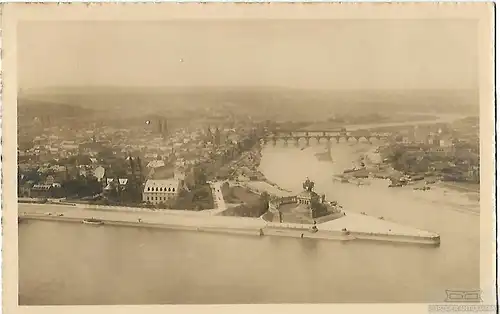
x=167 y=218
x=359 y=226
x=220 y=203
x=355 y=222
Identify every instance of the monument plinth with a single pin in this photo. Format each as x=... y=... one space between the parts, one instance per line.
x=307 y=207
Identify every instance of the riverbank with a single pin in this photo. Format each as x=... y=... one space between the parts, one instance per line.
x=375 y=170
x=350 y=227
x=251 y=162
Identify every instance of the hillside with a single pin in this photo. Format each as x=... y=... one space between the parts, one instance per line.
x=29 y=109
x=269 y=102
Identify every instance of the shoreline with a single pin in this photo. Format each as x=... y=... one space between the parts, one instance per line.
x=347 y=228
x=236 y=225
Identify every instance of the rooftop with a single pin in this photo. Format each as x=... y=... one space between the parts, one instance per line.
x=42 y=186
x=161 y=185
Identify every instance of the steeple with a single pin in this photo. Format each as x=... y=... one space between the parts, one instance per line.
x=217 y=136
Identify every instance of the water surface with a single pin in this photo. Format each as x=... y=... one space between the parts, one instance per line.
x=67 y=263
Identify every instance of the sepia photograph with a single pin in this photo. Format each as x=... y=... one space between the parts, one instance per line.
x=256 y=160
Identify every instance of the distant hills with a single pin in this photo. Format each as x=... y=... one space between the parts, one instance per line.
x=29 y=109
x=271 y=102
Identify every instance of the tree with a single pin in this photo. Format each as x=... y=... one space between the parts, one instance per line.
x=200 y=177
x=32 y=175
x=200 y=194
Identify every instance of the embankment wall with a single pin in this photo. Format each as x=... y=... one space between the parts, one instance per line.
x=269 y=228
x=180 y=227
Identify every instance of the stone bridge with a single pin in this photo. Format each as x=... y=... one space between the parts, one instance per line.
x=318 y=135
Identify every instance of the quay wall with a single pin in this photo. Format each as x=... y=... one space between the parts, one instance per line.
x=275 y=204
x=432 y=240
x=259 y=228
x=275 y=191
x=291 y=228
x=249 y=188
x=180 y=227
x=351 y=236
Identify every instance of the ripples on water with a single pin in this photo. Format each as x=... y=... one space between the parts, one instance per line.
x=65 y=263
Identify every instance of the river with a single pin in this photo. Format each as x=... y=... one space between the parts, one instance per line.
x=67 y=263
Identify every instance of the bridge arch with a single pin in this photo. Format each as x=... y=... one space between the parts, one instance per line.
x=306 y=136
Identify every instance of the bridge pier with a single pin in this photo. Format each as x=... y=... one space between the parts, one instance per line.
x=287 y=136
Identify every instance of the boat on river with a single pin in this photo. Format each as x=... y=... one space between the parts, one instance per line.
x=93 y=221
x=423 y=188
x=395 y=185
x=350 y=170
x=313 y=229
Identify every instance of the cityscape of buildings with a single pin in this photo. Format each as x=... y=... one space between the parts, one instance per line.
x=150 y=164
x=159 y=164
x=249 y=159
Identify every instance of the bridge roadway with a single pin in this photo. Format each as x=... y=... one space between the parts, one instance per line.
x=319 y=135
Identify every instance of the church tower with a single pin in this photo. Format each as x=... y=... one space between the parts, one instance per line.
x=217 y=136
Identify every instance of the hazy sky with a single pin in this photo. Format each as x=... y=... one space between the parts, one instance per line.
x=332 y=54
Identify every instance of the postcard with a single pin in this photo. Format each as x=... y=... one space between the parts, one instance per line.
x=248 y=157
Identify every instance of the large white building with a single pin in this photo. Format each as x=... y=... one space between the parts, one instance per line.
x=160 y=191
